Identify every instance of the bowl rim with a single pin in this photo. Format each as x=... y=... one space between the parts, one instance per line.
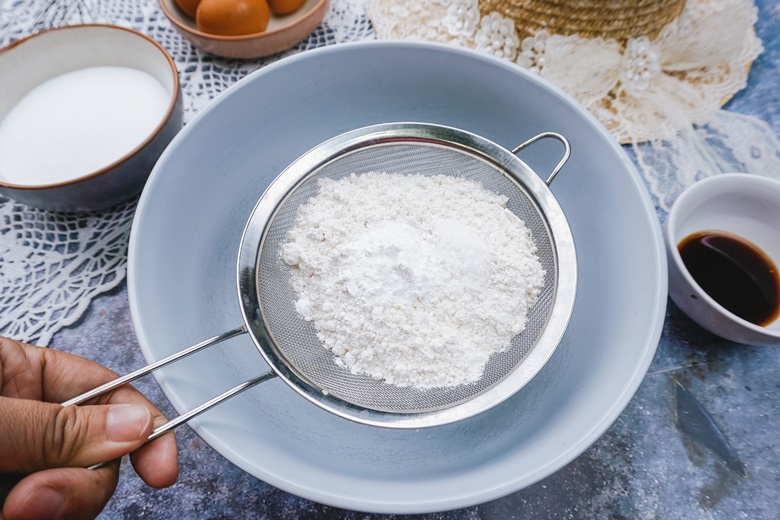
x=174 y=19
x=171 y=105
x=672 y=243
x=404 y=504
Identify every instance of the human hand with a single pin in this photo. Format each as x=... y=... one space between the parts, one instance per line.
x=45 y=448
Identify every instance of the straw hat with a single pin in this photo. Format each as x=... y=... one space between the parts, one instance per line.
x=647 y=69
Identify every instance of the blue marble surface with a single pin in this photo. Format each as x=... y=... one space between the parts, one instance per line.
x=644 y=466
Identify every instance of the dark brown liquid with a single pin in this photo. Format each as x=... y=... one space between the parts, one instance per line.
x=735 y=273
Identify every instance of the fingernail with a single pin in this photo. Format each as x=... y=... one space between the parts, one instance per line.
x=44 y=503
x=127 y=422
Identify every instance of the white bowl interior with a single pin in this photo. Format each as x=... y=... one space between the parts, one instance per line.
x=182 y=277
x=743 y=204
x=58 y=51
x=43 y=56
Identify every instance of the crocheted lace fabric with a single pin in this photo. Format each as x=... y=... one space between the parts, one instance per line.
x=53 y=265
x=661 y=96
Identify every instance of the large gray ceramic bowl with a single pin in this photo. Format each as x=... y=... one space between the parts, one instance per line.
x=183 y=268
x=30 y=62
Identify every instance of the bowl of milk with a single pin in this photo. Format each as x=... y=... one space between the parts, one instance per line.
x=85 y=112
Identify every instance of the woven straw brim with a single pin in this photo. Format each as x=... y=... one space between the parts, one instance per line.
x=618 y=19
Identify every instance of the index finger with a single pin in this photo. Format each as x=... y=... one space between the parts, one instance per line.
x=66 y=375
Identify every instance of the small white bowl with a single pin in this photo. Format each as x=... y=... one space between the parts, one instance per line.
x=738 y=203
x=32 y=61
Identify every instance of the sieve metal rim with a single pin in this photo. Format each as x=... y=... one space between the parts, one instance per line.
x=249 y=261
x=331 y=150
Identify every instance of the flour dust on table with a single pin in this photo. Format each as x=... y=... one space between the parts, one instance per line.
x=411 y=279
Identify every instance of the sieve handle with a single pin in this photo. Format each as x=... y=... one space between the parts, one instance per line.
x=132 y=376
x=183 y=418
x=552 y=135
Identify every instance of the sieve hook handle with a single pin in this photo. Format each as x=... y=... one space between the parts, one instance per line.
x=551 y=135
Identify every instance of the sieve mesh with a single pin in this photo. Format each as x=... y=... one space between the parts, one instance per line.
x=294 y=339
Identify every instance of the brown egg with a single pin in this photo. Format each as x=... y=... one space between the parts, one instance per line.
x=232 y=17
x=188 y=6
x=285 y=6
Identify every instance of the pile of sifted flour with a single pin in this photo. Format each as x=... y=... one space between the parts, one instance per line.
x=410 y=279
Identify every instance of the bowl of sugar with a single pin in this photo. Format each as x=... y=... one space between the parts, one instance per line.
x=723 y=247
x=85 y=112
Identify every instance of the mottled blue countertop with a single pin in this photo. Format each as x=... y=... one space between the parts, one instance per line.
x=644 y=466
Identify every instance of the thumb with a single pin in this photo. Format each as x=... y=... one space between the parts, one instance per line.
x=39 y=435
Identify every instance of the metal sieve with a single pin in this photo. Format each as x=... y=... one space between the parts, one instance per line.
x=290 y=345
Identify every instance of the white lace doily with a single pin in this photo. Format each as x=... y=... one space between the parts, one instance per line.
x=663 y=96
x=53 y=265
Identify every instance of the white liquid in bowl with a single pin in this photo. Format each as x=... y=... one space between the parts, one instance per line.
x=79 y=122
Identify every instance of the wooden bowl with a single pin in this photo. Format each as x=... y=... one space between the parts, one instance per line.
x=283 y=31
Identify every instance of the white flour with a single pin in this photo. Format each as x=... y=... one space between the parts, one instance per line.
x=410 y=279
